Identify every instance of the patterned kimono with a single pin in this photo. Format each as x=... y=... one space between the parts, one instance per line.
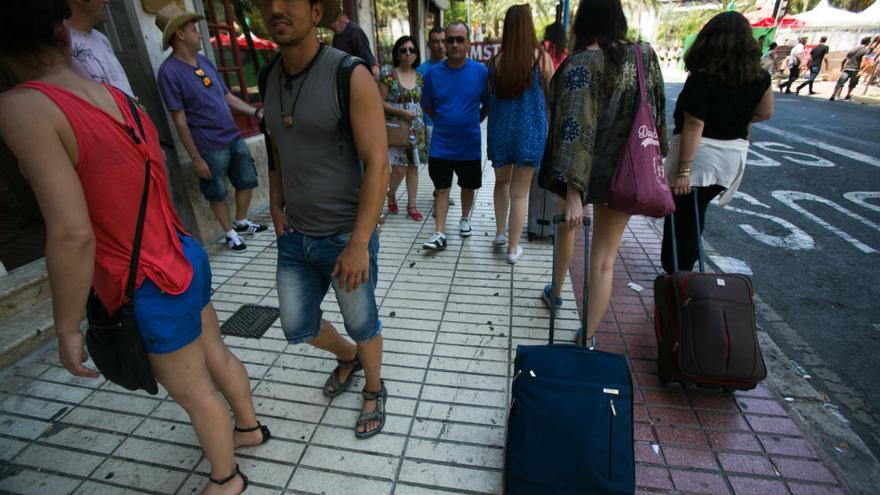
x=591 y=115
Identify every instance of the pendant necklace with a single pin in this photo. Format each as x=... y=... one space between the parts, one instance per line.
x=287 y=120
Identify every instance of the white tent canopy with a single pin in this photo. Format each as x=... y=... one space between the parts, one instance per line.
x=871 y=15
x=826 y=15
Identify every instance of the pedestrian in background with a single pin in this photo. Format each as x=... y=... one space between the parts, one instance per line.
x=726 y=90
x=92 y=55
x=350 y=38
x=849 y=69
x=593 y=99
x=437 y=50
x=794 y=61
x=768 y=60
x=200 y=103
x=517 y=128
x=401 y=89
x=817 y=56
x=81 y=148
x=555 y=43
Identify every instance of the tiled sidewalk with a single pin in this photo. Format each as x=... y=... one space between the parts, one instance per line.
x=452 y=323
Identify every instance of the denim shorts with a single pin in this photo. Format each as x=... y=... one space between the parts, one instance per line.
x=303 y=277
x=166 y=322
x=234 y=162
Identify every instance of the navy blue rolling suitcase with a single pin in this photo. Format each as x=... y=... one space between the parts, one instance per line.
x=570 y=428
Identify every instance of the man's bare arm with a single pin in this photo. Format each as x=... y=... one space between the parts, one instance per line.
x=201 y=167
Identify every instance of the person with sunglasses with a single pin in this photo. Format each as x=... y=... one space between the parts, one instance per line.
x=455 y=96
x=401 y=88
x=199 y=103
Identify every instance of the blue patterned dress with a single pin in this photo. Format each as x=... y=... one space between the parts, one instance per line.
x=517 y=129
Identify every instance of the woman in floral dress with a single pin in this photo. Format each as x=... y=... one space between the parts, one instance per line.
x=401 y=89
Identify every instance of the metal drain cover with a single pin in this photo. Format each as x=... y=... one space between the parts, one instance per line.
x=250 y=321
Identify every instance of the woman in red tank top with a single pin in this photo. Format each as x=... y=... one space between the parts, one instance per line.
x=76 y=142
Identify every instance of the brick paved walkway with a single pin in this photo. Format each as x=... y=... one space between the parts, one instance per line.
x=452 y=322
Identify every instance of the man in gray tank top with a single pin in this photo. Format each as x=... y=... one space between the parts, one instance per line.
x=327 y=190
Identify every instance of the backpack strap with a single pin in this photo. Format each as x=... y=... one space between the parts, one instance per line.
x=262 y=78
x=343 y=90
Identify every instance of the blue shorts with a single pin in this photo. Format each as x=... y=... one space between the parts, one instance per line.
x=234 y=162
x=303 y=277
x=166 y=322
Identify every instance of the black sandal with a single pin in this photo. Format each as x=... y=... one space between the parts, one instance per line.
x=263 y=429
x=231 y=477
x=381 y=397
x=339 y=387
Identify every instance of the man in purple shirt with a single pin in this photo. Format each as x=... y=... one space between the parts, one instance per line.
x=199 y=103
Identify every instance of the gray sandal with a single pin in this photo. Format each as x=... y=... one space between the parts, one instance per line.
x=381 y=397
x=339 y=387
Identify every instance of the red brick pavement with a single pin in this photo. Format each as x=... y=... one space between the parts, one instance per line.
x=697 y=440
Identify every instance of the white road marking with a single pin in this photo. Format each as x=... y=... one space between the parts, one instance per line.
x=731 y=265
x=797 y=240
x=860 y=198
x=762 y=160
x=788 y=153
x=789 y=199
x=793 y=137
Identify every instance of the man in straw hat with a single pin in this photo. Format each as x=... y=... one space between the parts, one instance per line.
x=326 y=193
x=199 y=103
x=349 y=37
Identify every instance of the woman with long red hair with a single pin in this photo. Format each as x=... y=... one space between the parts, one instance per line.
x=517 y=129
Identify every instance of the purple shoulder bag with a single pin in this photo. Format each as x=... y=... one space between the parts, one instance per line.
x=639 y=185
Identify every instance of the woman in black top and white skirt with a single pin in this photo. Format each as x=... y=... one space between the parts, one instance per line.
x=726 y=90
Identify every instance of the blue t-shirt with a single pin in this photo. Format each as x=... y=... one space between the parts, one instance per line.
x=455 y=95
x=207 y=113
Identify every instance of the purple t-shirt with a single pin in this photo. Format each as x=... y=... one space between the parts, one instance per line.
x=207 y=113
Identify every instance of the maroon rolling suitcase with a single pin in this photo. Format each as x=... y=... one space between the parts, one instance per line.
x=705 y=326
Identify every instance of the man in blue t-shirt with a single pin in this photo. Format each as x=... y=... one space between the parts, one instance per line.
x=199 y=103
x=455 y=96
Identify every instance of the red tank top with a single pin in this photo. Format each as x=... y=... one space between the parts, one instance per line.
x=111 y=170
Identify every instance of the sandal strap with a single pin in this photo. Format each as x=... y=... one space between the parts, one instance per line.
x=367 y=417
x=226 y=479
x=347 y=364
x=380 y=394
x=248 y=430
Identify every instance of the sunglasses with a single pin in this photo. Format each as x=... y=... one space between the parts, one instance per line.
x=405 y=50
x=451 y=40
x=204 y=77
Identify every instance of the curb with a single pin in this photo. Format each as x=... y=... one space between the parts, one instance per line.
x=866 y=100
x=822 y=423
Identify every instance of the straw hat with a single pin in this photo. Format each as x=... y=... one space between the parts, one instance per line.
x=332 y=9
x=170 y=18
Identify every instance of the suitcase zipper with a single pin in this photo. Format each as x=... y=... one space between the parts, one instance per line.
x=611 y=436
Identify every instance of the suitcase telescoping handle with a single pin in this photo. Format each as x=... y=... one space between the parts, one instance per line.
x=699 y=234
x=557 y=219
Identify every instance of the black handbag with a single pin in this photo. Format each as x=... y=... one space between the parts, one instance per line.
x=114 y=341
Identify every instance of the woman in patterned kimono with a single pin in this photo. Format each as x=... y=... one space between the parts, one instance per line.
x=593 y=100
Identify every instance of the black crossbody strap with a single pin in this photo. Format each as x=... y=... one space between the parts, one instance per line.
x=142 y=213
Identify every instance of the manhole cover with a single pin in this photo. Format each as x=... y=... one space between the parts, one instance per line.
x=250 y=321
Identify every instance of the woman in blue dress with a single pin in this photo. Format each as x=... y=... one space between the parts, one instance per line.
x=517 y=129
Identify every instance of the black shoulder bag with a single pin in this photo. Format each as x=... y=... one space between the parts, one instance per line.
x=114 y=342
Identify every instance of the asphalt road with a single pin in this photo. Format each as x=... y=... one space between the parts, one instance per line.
x=807 y=224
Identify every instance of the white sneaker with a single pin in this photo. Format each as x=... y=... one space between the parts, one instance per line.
x=500 y=240
x=464 y=227
x=235 y=243
x=512 y=258
x=436 y=243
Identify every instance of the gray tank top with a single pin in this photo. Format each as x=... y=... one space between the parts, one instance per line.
x=320 y=169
